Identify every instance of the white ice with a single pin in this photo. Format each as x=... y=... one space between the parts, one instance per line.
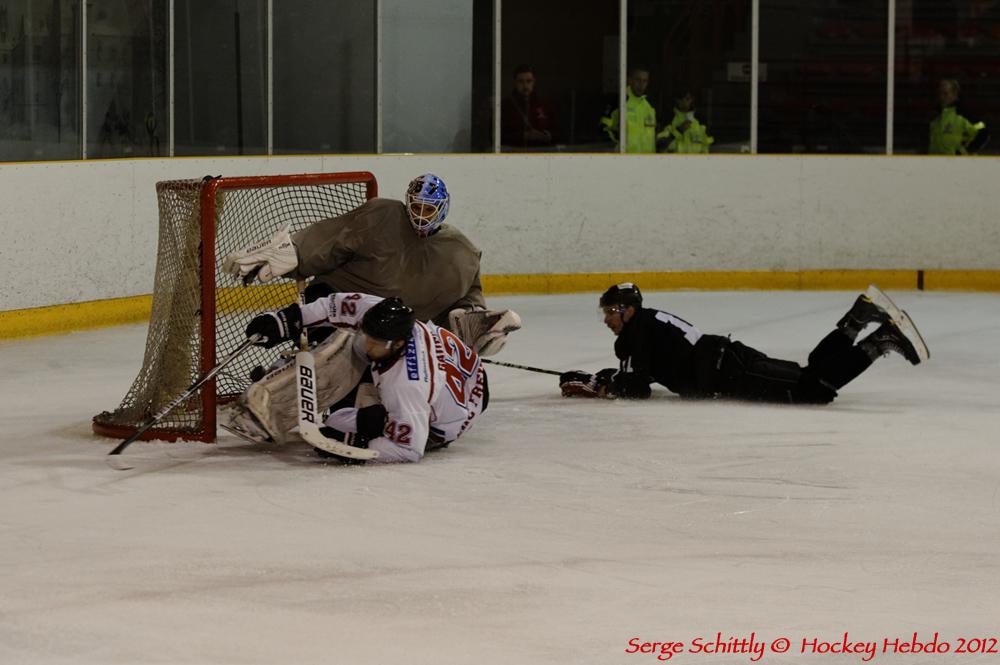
x=554 y=532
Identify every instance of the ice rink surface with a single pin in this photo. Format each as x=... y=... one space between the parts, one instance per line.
x=555 y=531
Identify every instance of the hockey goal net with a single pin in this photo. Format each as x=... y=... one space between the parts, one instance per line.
x=199 y=313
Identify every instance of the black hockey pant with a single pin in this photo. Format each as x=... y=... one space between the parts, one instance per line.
x=746 y=373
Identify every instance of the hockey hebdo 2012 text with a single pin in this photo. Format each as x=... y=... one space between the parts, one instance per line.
x=755 y=647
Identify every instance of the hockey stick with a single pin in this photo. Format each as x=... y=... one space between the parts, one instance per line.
x=524 y=367
x=307 y=385
x=115 y=462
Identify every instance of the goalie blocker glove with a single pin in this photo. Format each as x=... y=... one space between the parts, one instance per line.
x=276 y=327
x=576 y=383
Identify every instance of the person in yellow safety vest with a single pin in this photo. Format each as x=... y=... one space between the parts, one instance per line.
x=640 y=126
x=954 y=131
x=685 y=133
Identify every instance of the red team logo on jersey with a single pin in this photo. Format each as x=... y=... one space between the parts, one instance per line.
x=458 y=363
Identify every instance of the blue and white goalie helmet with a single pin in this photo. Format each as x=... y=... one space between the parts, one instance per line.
x=427 y=203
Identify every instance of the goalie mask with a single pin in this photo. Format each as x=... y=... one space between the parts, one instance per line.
x=427 y=204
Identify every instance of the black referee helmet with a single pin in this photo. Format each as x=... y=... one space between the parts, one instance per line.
x=622 y=295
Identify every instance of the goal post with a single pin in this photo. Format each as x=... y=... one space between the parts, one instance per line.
x=199 y=313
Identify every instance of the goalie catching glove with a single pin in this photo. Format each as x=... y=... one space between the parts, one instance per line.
x=576 y=383
x=276 y=327
x=273 y=258
x=484 y=330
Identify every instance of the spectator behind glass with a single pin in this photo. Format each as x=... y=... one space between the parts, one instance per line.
x=526 y=120
x=955 y=130
x=685 y=134
x=641 y=119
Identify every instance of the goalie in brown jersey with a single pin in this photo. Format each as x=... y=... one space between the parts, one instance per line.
x=387 y=248
x=391 y=249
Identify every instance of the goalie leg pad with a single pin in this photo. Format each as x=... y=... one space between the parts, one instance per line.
x=264 y=399
x=484 y=330
x=274 y=399
x=238 y=419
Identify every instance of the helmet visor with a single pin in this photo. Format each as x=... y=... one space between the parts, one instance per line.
x=604 y=311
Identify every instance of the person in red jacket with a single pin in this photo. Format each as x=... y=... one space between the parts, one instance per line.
x=526 y=120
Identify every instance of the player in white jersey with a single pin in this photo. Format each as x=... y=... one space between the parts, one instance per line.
x=431 y=387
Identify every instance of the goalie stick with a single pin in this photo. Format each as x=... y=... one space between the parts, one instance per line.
x=524 y=367
x=115 y=462
x=307 y=386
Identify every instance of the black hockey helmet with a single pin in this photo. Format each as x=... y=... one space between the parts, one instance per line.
x=389 y=320
x=622 y=295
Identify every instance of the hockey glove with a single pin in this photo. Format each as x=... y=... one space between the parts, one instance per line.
x=273 y=258
x=371 y=421
x=581 y=384
x=276 y=327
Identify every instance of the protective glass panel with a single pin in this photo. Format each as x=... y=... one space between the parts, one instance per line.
x=427 y=66
x=324 y=76
x=126 y=78
x=39 y=80
x=220 y=77
x=483 y=55
x=558 y=84
x=947 y=94
x=822 y=76
x=693 y=60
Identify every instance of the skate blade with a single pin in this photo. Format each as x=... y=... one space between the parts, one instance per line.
x=909 y=330
x=884 y=302
x=244 y=434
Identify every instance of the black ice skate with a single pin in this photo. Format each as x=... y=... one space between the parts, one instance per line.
x=901 y=337
x=864 y=311
x=884 y=302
